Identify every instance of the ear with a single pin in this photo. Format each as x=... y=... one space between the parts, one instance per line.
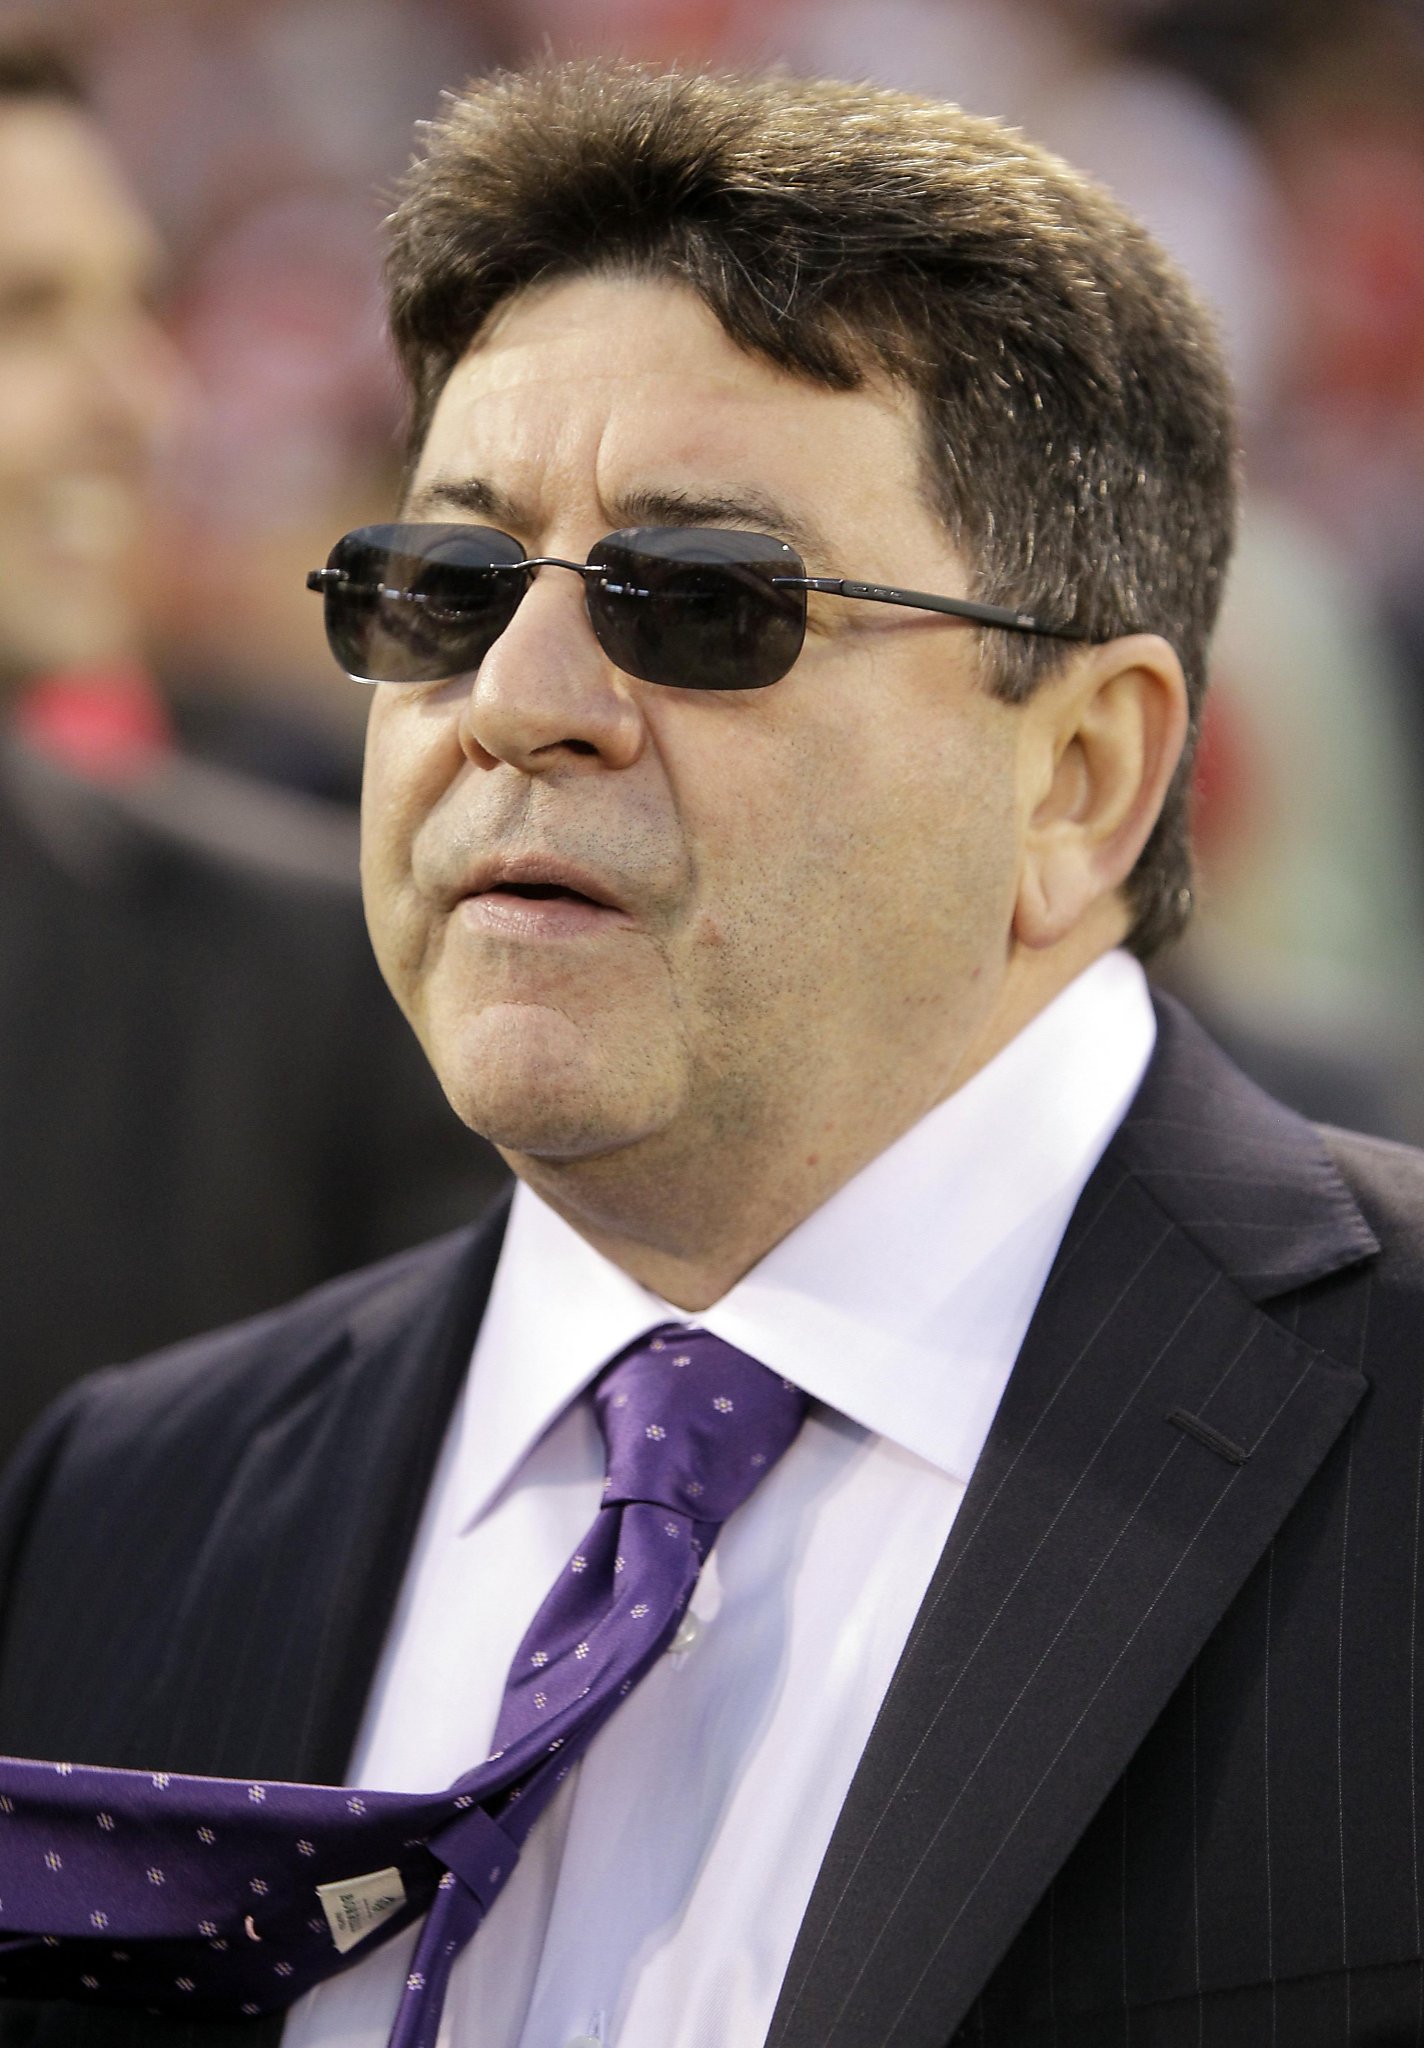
x=1099 y=745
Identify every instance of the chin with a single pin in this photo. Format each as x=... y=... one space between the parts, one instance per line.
x=537 y=1085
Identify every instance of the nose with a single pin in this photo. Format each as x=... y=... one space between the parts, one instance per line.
x=546 y=695
x=130 y=379
x=155 y=386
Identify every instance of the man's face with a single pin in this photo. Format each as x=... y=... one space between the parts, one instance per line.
x=793 y=903
x=85 y=383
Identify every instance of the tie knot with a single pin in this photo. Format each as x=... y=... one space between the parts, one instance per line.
x=692 y=1423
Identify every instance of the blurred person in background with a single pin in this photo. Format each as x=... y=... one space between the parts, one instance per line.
x=89 y=385
x=282 y=123
x=206 y=1097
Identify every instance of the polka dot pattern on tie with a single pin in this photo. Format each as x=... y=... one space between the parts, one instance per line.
x=200 y=1895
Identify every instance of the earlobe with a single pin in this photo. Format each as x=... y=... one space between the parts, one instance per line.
x=1101 y=744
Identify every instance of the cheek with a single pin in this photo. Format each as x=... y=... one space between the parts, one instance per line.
x=949 y=865
x=37 y=405
x=772 y=847
x=862 y=874
x=400 y=783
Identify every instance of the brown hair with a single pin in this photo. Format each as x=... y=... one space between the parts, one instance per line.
x=1079 y=428
x=36 y=70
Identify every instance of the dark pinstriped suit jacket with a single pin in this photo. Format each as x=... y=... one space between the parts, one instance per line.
x=1149 y=1770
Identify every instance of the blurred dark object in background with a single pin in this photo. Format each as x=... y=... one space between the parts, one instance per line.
x=1250 y=53
x=259 y=742
x=1238 y=49
x=208 y=1101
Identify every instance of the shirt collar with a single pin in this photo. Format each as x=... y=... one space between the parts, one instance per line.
x=901 y=1302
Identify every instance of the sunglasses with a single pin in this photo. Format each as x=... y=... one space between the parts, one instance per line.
x=696 y=608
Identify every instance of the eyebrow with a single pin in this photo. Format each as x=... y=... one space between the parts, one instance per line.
x=472 y=494
x=744 y=506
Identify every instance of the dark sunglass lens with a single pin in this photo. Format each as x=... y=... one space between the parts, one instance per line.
x=418 y=604
x=697 y=607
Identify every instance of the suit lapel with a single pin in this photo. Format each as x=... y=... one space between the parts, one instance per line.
x=1156 y=1431
x=290 y=1598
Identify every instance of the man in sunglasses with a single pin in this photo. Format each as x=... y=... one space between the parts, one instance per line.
x=786 y=663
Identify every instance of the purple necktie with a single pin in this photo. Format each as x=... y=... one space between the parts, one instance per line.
x=215 y=1896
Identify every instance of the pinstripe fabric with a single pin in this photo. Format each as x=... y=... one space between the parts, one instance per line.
x=1300 y=1728
x=1232 y=1754
x=1090 y=1562
x=220 y=1610
x=1145 y=1773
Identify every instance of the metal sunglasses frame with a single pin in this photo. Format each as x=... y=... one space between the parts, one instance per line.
x=1004 y=617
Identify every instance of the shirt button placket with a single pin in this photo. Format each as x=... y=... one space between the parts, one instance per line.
x=689 y=1634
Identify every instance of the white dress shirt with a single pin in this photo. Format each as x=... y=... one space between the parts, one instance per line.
x=658 y=1899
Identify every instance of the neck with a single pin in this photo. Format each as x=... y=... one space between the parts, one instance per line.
x=688 y=1219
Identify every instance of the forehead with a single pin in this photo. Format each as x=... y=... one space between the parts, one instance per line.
x=63 y=206
x=585 y=396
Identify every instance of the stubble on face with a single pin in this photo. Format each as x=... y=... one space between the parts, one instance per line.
x=519 y=1031
x=815 y=879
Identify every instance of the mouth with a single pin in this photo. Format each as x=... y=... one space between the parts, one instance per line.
x=88 y=518
x=545 y=892
x=540 y=899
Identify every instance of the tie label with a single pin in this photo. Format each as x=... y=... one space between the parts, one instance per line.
x=356 y=1906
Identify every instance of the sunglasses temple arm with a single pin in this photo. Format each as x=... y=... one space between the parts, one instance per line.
x=922 y=601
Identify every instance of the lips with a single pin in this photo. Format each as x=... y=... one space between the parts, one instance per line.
x=538 y=895
x=545 y=892
x=541 y=878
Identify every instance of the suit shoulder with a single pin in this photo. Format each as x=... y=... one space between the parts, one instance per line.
x=229 y=1382
x=1370 y=1314
x=188 y=814
x=1387 y=1181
